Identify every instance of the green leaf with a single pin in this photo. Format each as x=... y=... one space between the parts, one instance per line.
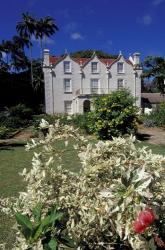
x=37 y=213
x=65 y=240
x=25 y=223
x=53 y=244
x=37 y=232
x=50 y=219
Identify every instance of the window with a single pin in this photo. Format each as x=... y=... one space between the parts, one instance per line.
x=120 y=83
x=94 y=67
x=67 y=85
x=120 y=67
x=67 y=67
x=94 y=86
x=68 y=107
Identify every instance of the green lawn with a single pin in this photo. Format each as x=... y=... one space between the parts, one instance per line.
x=14 y=159
x=156 y=149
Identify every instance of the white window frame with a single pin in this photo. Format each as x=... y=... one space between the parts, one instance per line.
x=119 y=85
x=94 y=89
x=67 y=67
x=94 y=69
x=67 y=85
x=119 y=71
x=68 y=107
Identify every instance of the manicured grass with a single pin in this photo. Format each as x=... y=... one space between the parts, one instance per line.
x=156 y=149
x=14 y=159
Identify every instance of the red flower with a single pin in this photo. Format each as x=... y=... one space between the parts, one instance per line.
x=138 y=227
x=144 y=219
x=147 y=216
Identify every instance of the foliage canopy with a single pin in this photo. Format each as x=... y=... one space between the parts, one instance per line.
x=114 y=115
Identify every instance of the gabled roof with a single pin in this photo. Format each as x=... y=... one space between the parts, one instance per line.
x=81 y=60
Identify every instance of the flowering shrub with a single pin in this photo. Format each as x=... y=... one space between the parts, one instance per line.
x=114 y=202
x=114 y=115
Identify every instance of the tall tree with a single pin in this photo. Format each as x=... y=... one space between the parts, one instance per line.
x=45 y=27
x=26 y=29
x=154 y=68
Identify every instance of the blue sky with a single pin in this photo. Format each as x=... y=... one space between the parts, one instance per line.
x=109 y=25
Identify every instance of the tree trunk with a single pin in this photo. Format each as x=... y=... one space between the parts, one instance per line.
x=31 y=66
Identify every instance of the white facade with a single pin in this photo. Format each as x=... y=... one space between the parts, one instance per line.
x=71 y=82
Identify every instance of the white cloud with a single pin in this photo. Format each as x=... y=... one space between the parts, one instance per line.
x=145 y=20
x=76 y=36
x=157 y=2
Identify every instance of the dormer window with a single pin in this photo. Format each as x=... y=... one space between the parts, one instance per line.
x=67 y=67
x=94 y=67
x=120 y=67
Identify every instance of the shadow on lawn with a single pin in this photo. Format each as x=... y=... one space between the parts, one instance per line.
x=143 y=137
x=11 y=146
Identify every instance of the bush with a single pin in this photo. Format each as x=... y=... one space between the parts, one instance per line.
x=115 y=202
x=114 y=115
x=3 y=132
x=82 y=121
x=149 y=123
x=155 y=118
x=16 y=117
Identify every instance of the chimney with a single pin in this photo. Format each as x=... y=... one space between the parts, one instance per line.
x=46 y=57
x=136 y=58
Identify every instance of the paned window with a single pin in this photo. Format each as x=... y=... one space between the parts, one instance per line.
x=120 y=83
x=94 y=86
x=68 y=107
x=120 y=67
x=94 y=67
x=67 y=85
x=67 y=67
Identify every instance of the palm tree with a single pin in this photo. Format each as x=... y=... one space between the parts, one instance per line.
x=26 y=29
x=45 y=27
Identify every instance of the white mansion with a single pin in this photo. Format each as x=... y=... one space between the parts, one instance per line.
x=70 y=82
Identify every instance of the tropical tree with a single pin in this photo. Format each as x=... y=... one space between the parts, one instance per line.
x=154 y=68
x=14 y=53
x=45 y=27
x=26 y=29
x=19 y=61
x=39 y=28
